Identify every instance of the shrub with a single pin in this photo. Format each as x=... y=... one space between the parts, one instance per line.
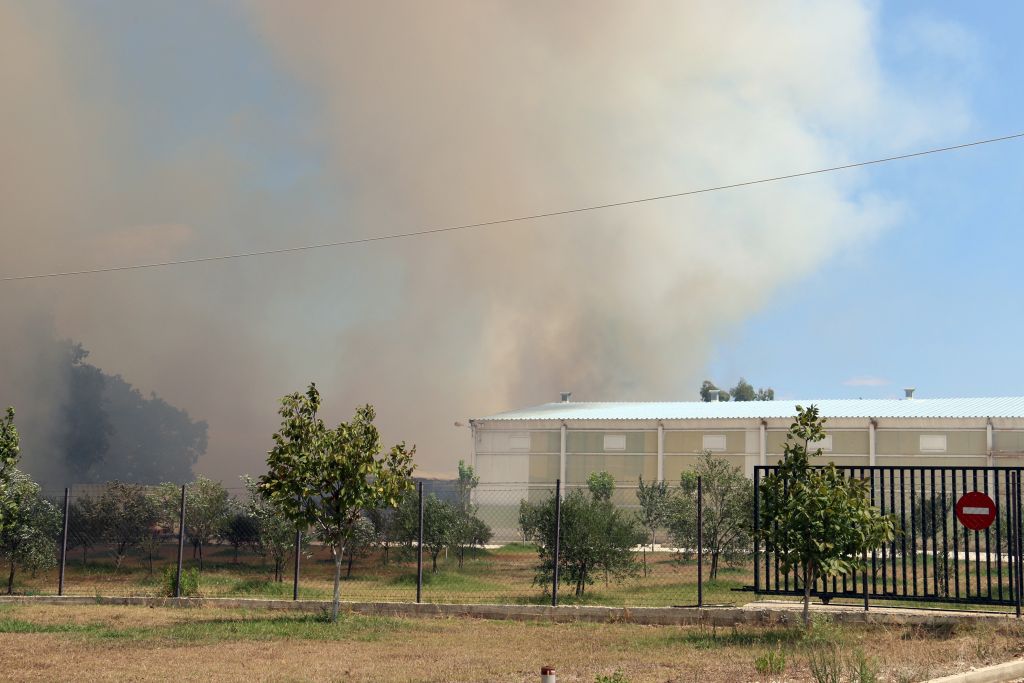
x=826 y=665
x=189 y=582
x=771 y=662
x=617 y=677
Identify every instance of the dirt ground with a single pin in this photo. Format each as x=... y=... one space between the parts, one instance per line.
x=104 y=643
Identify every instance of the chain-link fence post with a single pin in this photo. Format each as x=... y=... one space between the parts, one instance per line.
x=558 y=541
x=419 y=550
x=700 y=542
x=63 y=542
x=181 y=543
x=295 y=574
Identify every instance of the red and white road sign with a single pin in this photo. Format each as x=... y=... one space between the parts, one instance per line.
x=975 y=510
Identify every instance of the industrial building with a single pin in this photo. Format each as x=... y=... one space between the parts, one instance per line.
x=568 y=440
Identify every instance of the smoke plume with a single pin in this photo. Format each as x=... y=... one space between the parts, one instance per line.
x=423 y=115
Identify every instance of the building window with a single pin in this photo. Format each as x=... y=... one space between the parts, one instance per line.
x=519 y=442
x=933 y=443
x=615 y=442
x=825 y=444
x=714 y=442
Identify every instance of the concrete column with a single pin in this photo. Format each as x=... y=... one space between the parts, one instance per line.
x=763 y=444
x=561 y=460
x=872 y=426
x=989 y=444
x=661 y=452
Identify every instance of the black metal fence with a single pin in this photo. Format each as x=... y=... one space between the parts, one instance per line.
x=934 y=557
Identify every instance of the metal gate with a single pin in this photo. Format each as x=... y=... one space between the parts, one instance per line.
x=933 y=557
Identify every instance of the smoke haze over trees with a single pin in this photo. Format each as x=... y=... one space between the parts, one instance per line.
x=95 y=427
x=169 y=132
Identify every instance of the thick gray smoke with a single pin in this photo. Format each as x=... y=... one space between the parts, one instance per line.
x=432 y=114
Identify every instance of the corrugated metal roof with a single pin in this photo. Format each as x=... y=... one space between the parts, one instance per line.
x=1006 y=406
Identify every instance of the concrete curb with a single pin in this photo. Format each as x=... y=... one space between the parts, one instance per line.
x=997 y=673
x=754 y=614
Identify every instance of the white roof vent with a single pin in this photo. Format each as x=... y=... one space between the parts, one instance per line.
x=909 y=392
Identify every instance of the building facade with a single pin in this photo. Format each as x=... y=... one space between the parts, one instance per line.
x=658 y=441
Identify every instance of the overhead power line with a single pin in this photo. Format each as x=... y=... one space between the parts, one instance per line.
x=503 y=221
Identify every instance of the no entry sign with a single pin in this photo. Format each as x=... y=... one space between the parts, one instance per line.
x=975 y=510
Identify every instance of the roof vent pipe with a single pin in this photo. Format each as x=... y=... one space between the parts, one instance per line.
x=566 y=395
x=909 y=392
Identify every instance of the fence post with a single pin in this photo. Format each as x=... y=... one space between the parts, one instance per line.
x=1017 y=539
x=700 y=542
x=757 y=531
x=181 y=543
x=864 y=574
x=295 y=573
x=63 y=543
x=558 y=541
x=419 y=551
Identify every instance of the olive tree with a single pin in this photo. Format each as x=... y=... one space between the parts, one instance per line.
x=654 y=498
x=31 y=527
x=595 y=537
x=728 y=498
x=815 y=519
x=325 y=478
x=274 y=535
x=127 y=514
x=9 y=451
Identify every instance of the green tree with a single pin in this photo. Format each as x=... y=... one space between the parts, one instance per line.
x=707 y=386
x=464 y=486
x=127 y=515
x=386 y=527
x=275 y=533
x=743 y=391
x=31 y=528
x=601 y=485
x=325 y=478
x=595 y=537
x=765 y=394
x=9 y=452
x=440 y=527
x=86 y=524
x=207 y=512
x=240 y=530
x=361 y=541
x=815 y=519
x=728 y=498
x=654 y=499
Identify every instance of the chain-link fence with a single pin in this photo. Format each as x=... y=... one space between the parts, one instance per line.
x=492 y=543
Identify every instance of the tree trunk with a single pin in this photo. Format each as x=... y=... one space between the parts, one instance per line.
x=808 y=580
x=337 y=552
x=351 y=558
x=645 y=560
x=714 y=565
x=10 y=578
x=385 y=553
x=200 y=556
x=433 y=558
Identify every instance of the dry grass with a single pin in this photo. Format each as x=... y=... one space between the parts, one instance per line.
x=46 y=642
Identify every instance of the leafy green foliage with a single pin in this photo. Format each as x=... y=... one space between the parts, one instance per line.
x=707 y=386
x=617 y=677
x=189 y=581
x=728 y=500
x=31 y=528
x=596 y=537
x=9 y=452
x=770 y=662
x=126 y=515
x=655 y=500
x=325 y=478
x=815 y=519
x=274 y=535
x=601 y=485
x=207 y=511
